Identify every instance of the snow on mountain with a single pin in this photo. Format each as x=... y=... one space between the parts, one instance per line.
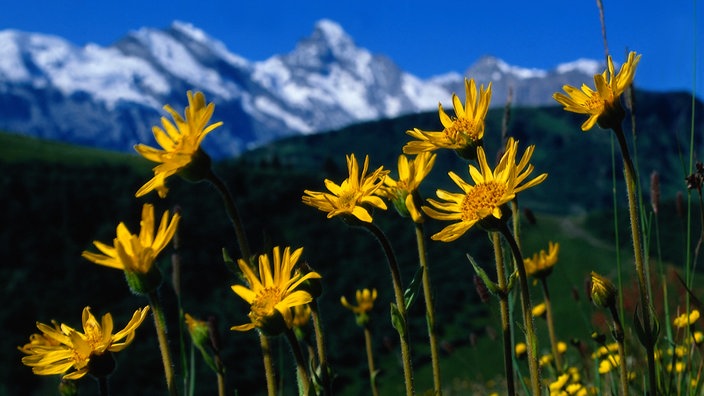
x=111 y=96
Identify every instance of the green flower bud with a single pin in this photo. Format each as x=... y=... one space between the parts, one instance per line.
x=143 y=284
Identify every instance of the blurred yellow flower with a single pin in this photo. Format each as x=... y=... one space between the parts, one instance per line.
x=521 y=350
x=603 y=104
x=136 y=253
x=61 y=348
x=539 y=310
x=561 y=347
x=365 y=301
x=609 y=363
x=301 y=315
x=685 y=320
x=558 y=384
x=492 y=189
x=542 y=263
x=462 y=133
x=402 y=192
x=180 y=142
x=545 y=360
x=272 y=295
x=348 y=197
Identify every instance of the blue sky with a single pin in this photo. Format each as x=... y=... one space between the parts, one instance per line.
x=423 y=37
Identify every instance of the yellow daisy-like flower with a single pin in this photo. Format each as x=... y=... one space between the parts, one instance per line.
x=462 y=133
x=603 y=105
x=365 y=301
x=541 y=264
x=180 y=142
x=685 y=320
x=484 y=200
x=349 y=197
x=271 y=295
x=136 y=253
x=402 y=192
x=61 y=348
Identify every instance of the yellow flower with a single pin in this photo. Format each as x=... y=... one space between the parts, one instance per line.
x=136 y=253
x=348 y=197
x=180 y=143
x=492 y=189
x=602 y=105
x=521 y=350
x=402 y=192
x=611 y=362
x=365 y=301
x=685 y=320
x=561 y=347
x=541 y=264
x=462 y=133
x=273 y=293
x=559 y=383
x=539 y=310
x=61 y=348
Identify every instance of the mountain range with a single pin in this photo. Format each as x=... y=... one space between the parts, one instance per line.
x=110 y=97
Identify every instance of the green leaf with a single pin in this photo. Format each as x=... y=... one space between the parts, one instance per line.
x=491 y=285
x=229 y=262
x=411 y=293
x=398 y=321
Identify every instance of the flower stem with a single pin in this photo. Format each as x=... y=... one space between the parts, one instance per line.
x=531 y=339
x=320 y=344
x=619 y=337
x=505 y=314
x=430 y=310
x=303 y=378
x=630 y=179
x=551 y=325
x=103 y=385
x=232 y=213
x=370 y=360
x=400 y=302
x=161 y=332
x=268 y=364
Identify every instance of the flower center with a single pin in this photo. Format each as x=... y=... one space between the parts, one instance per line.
x=463 y=130
x=263 y=305
x=482 y=200
x=348 y=199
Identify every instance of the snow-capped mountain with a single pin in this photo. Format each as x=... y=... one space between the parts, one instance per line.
x=111 y=96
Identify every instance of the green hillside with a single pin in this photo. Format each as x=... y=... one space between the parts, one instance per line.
x=59 y=198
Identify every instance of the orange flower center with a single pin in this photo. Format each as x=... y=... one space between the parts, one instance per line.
x=463 y=131
x=264 y=304
x=482 y=200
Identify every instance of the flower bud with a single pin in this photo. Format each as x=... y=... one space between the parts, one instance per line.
x=142 y=284
x=601 y=291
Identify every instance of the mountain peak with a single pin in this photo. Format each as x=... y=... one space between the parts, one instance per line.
x=190 y=30
x=332 y=33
